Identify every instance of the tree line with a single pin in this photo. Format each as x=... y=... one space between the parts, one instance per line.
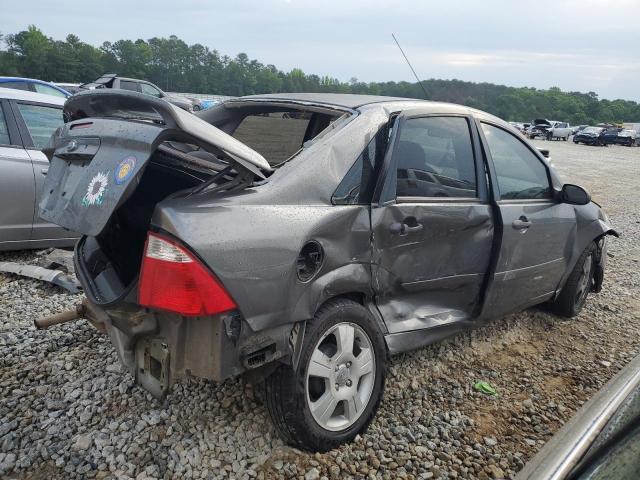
x=175 y=66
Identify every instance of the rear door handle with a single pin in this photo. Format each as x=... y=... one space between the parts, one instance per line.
x=521 y=223
x=44 y=171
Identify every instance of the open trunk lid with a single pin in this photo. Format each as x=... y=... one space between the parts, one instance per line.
x=97 y=159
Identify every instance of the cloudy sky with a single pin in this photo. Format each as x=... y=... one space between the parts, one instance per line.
x=584 y=45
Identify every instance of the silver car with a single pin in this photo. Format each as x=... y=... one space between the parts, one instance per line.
x=27 y=120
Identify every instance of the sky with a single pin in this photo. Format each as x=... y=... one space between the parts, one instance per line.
x=577 y=45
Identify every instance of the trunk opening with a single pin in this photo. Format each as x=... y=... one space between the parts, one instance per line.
x=110 y=262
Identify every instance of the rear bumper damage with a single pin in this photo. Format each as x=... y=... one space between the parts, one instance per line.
x=160 y=348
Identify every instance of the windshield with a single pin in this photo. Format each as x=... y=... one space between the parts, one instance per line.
x=592 y=130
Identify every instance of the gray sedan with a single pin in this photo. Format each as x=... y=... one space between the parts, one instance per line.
x=27 y=120
x=299 y=239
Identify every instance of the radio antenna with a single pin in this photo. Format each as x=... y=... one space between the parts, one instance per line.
x=410 y=66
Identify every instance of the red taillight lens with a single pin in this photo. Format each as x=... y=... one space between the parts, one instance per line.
x=173 y=279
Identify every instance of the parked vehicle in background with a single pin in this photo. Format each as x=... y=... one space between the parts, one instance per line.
x=302 y=249
x=560 y=130
x=610 y=135
x=601 y=441
x=112 y=80
x=70 y=87
x=33 y=85
x=578 y=129
x=626 y=137
x=539 y=128
x=27 y=121
x=590 y=136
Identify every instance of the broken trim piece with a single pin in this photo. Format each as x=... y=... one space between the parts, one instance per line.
x=57 y=277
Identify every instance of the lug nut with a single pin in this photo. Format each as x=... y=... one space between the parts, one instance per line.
x=337 y=386
x=349 y=383
x=348 y=364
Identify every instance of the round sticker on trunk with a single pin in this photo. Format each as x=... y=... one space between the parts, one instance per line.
x=124 y=171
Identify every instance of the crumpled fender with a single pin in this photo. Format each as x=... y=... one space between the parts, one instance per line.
x=347 y=279
x=589 y=230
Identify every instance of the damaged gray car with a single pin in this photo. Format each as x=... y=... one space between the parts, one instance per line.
x=301 y=239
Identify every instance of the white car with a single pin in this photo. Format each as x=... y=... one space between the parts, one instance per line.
x=27 y=120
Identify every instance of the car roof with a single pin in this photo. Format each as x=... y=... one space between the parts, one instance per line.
x=29 y=80
x=345 y=100
x=14 y=94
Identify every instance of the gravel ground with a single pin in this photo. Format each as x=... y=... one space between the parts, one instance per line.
x=67 y=411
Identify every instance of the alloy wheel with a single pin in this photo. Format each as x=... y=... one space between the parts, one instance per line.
x=340 y=376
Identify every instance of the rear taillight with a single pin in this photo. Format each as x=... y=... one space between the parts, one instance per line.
x=172 y=279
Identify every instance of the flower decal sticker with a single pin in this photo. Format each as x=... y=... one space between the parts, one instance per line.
x=96 y=189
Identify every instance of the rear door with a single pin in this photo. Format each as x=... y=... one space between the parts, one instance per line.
x=536 y=229
x=17 y=185
x=37 y=122
x=432 y=224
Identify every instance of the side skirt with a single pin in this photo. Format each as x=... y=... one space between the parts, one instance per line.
x=413 y=339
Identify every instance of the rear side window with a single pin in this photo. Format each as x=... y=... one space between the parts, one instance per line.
x=4 y=131
x=41 y=122
x=521 y=174
x=48 y=90
x=435 y=158
x=127 y=85
x=357 y=186
x=276 y=136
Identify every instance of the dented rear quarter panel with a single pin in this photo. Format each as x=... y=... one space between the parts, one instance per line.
x=251 y=238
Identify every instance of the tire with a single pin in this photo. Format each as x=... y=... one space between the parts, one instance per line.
x=574 y=293
x=291 y=394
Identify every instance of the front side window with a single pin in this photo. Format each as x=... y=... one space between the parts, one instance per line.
x=41 y=122
x=435 y=158
x=40 y=88
x=150 y=90
x=520 y=173
x=127 y=85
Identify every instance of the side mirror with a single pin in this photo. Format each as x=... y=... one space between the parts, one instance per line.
x=544 y=152
x=574 y=194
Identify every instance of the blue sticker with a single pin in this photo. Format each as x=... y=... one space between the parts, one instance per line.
x=125 y=170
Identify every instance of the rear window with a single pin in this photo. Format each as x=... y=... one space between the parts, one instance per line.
x=276 y=136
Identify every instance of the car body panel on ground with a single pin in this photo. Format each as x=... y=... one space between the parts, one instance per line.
x=427 y=217
x=28 y=119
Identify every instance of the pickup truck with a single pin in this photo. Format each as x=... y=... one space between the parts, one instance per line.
x=549 y=129
x=559 y=130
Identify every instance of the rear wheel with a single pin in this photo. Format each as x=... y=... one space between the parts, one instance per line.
x=336 y=389
x=574 y=294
